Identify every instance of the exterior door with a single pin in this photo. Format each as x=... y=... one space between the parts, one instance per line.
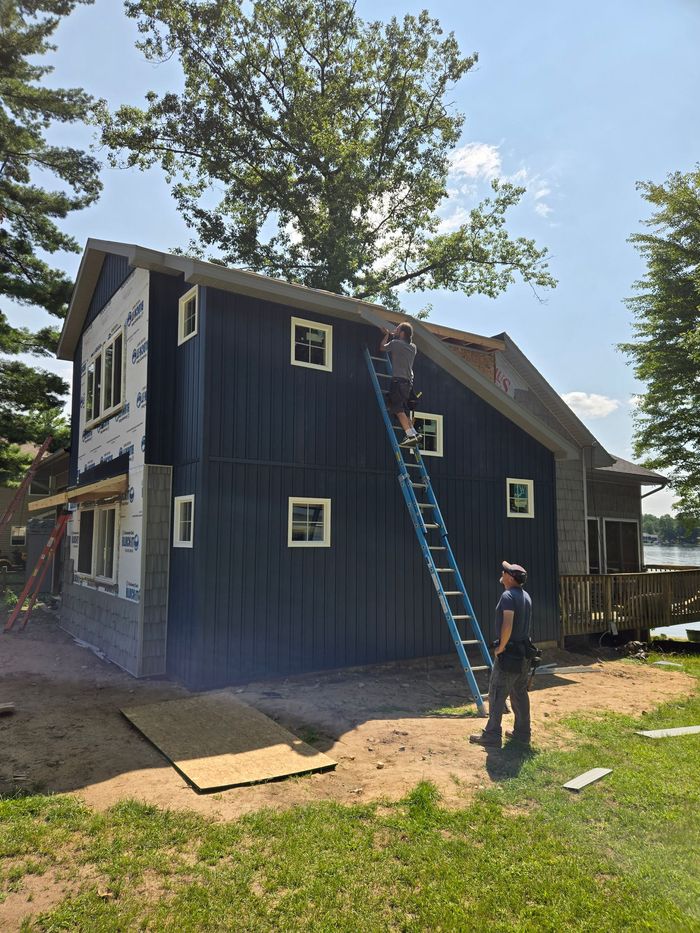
x=621 y=546
x=594 y=562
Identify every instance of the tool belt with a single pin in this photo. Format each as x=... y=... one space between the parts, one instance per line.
x=511 y=658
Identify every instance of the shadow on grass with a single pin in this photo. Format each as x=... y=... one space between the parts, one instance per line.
x=507 y=762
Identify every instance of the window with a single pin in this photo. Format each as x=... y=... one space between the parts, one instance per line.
x=430 y=426
x=18 y=535
x=97 y=543
x=309 y=522
x=183 y=522
x=187 y=316
x=312 y=344
x=104 y=391
x=520 y=498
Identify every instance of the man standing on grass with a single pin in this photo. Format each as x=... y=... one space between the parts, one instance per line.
x=511 y=667
x=402 y=352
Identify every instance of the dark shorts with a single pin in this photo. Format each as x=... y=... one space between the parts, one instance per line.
x=399 y=394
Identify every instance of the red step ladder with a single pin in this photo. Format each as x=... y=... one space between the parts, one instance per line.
x=24 y=485
x=34 y=582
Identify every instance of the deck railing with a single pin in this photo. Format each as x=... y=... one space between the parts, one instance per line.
x=661 y=596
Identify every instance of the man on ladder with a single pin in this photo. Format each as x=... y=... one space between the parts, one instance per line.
x=402 y=352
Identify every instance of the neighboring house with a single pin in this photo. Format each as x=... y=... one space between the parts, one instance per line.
x=235 y=505
x=50 y=480
x=13 y=536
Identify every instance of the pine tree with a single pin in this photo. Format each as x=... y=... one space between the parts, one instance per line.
x=30 y=398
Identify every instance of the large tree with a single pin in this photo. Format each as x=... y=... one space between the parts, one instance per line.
x=666 y=351
x=311 y=145
x=31 y=399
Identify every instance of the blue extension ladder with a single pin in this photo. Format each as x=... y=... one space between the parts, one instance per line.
x=411 y=485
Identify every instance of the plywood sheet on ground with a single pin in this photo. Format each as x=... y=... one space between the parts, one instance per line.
x=215 y=741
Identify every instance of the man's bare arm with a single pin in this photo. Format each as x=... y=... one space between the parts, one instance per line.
x=506 y=630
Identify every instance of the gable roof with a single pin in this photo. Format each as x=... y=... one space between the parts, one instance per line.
x=197 y=272
x=551 y=399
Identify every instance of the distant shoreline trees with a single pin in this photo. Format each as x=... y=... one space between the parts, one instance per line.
x=671 y=530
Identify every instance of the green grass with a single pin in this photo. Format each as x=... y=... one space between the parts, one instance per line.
x=526 y=855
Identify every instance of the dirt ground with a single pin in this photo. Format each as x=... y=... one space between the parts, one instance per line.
x=387 y=726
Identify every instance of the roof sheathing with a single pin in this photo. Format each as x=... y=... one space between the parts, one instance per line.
x=196 y=272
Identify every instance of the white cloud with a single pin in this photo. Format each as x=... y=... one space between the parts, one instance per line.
x=476 y=160
x=455 y=220
x=590 y=405
x=544 y=210
x=542 y=193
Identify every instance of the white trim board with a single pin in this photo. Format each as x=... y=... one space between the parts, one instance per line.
x=670 y=733
x=588 y=777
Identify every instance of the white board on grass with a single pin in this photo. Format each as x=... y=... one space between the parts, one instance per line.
x=583 y=780
x=668 y=733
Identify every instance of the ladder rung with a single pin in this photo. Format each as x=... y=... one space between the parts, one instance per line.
x=382 y=375
x=429 y=525
x=436 y=547
x=445 y=569
x=414 y=466
x=461 y=617
x=471 y=641
x=426 y=505
x=481 y=667
x=419 y=485
x=379 y=359
x=453 y=592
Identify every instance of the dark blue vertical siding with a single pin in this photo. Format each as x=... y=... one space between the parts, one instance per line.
x=174 y=436
x=115 y=271
x=242 y=602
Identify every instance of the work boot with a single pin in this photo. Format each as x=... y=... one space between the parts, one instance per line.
x=488 y=741
x=514 y=737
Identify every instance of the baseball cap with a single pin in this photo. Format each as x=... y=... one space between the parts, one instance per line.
x=518 y=573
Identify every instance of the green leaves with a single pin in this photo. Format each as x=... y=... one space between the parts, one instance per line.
x=31 y=399
x=313 y=146
x=666 y=353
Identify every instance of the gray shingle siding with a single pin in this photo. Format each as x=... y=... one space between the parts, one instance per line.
x=131 y=634
x=156 y=556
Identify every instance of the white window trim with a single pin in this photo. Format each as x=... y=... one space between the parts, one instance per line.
x=115 y=562
x=530 y=483
x=112 y=410
x=308 y=500
x=23 y=536
x=181 y=337
x=604 y=541
x=177 y=541
x=427 y=416
x=328 y=330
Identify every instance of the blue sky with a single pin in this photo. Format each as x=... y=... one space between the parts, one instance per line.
x=577 y=102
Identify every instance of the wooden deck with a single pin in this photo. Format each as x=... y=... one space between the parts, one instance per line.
x=661 y=596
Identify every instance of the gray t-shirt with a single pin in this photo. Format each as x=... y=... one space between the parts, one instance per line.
x=402 y=355
x=519 y=602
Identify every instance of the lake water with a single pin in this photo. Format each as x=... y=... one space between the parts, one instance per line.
x=679 y=556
